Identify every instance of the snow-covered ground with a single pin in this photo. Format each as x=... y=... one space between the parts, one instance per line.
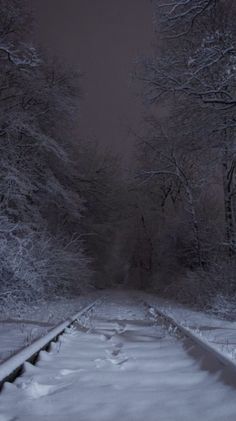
x=117 y=364
x=219 y=333
x=20 y=329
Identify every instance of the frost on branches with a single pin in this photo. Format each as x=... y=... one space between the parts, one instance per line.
x=188 y=154
x=41 y=250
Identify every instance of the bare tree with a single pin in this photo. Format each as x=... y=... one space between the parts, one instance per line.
x=201 y=69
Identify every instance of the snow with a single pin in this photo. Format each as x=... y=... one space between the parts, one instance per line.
x=219 y=333
x=19 y=330
x=16 y=361
x=16 y=335
x=117 y=364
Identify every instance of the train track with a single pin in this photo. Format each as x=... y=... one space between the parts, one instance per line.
x=13 y=366
x=222 y=359
x=124 y=352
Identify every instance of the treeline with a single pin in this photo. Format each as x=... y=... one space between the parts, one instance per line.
x=70 y=216
x=186 y=175
x=55 y=191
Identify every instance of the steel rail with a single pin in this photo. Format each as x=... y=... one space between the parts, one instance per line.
x=202 y=343
x=13 y=366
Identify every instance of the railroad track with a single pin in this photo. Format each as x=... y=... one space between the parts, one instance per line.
x=121 y=362
x=216 y=355
x=13 y=366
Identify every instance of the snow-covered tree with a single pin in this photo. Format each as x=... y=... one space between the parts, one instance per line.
x=189 y=85
x=41 y=248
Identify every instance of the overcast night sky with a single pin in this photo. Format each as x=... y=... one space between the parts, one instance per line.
x=104 y=38
x=111 y=34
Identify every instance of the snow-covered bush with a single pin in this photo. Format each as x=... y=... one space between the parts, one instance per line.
x=41 y=252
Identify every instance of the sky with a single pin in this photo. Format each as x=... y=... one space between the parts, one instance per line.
x=103 y=38
x=111 y=34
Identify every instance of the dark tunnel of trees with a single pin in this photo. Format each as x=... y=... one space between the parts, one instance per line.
x=71 y=217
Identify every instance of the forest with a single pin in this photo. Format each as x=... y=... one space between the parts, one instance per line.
x=72 y=218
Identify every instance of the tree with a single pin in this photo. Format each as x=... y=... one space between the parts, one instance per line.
x=42 y=251
x=188 y=151
x=177 y=18
x=201 y=68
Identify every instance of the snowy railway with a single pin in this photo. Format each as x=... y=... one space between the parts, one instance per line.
x=118 y=359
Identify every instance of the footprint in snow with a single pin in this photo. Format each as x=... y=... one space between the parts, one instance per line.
x=115 y=357
x=36 y=390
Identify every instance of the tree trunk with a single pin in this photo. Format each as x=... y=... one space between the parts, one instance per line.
x=195 y=226
x=228 y=185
